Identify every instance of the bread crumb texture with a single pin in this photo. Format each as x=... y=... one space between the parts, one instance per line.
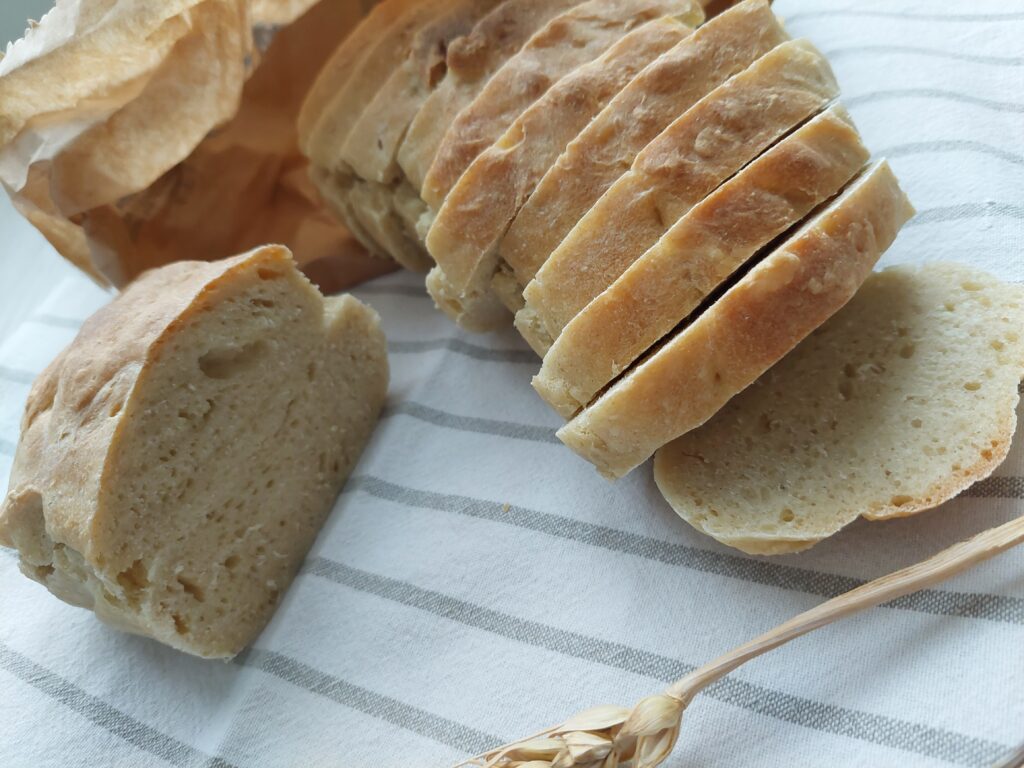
x=903 y=399
x=179 y=457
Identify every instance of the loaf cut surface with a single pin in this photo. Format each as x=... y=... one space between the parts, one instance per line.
x=179 y=457
x=699 y=252
x=758 y=319
x=900 y=401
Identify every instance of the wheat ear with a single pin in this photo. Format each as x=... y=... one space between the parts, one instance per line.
x=642 y=737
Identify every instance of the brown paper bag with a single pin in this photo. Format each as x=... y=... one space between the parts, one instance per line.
x=135 y=133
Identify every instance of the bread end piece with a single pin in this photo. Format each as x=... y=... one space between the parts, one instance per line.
x=179 y=457
x=899 y=402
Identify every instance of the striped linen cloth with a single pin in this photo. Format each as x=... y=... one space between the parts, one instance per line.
x=477 y=582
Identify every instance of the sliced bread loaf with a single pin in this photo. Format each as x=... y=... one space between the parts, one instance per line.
x=705 y=146
x=178 y=458
x=899 y=402
x=699 y=252
x=568 y=40
x=610 y=143
x=469 y=63
x=759 y=318
x=475 y=215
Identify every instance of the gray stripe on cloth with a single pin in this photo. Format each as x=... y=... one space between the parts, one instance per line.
x=996 y=488
x=890 y=732
x=16 y=375
x=940 y=17
x=471 y=423
x=945 y=147
x=968 y=211
x=966 y=605
x=998 y=61
x=97 y=711
x=435 y=727
x=934 y=93
x=44 y=318
x=464 y=348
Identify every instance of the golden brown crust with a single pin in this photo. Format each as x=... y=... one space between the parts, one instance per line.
x=782 y=299
x=464 y=236
x=634 y=118
x=703 y=147
x=570 y=39
x=661 y=288
x=470 y=62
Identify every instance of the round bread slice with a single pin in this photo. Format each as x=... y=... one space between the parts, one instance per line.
x=705 y=146
x=465 y=235
x=643 y=109
x=469 y=64
x=567 y=41
x=759 y=318
x=177 y=459
x=899 y=402
x=701 y=250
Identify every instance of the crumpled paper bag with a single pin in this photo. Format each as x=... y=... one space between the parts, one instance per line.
x=135 y=133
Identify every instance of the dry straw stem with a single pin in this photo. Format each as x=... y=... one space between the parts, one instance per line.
x=617 y=737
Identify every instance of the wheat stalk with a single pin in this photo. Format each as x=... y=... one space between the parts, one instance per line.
x=642 y=737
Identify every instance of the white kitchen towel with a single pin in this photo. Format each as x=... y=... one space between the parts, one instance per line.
x=477 y=582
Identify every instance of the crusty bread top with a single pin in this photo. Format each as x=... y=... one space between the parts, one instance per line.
x=372 y=145
x=702 y=148
x=700 y=251
x=464 y=236
x=760 y=318
x=643 y=109
x=469 y=63
x=572 y=38
x=903 y=399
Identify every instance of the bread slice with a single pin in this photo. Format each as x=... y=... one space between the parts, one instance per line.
x=757 y=320
x=469 y=64
x=700 y=252
x=643 y=109
x=710 y=142
x=899 y=402
x=568 y=40
x=371 y=148
x=464 y=236
x=373 y=205
x=383 y=48
x=178 y=458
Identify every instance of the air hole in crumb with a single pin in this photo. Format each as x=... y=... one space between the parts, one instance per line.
x=849 y=371
x=916 y=423
x=972 y=386
x=115 y=409
x=996 y=345
x=902 y=500
x=180 y=625
x=335 y=466
x=231 y=562
x=970 y=285
x=266 y=303
x=950 y=306
x=846 y=390
x=311 y=371
x=986 y=454
x=192 y=588
x=907 y=351
x=44 y=571
x=268 y=274
x=133 y=579
x=787 y=516
x=229 y=362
